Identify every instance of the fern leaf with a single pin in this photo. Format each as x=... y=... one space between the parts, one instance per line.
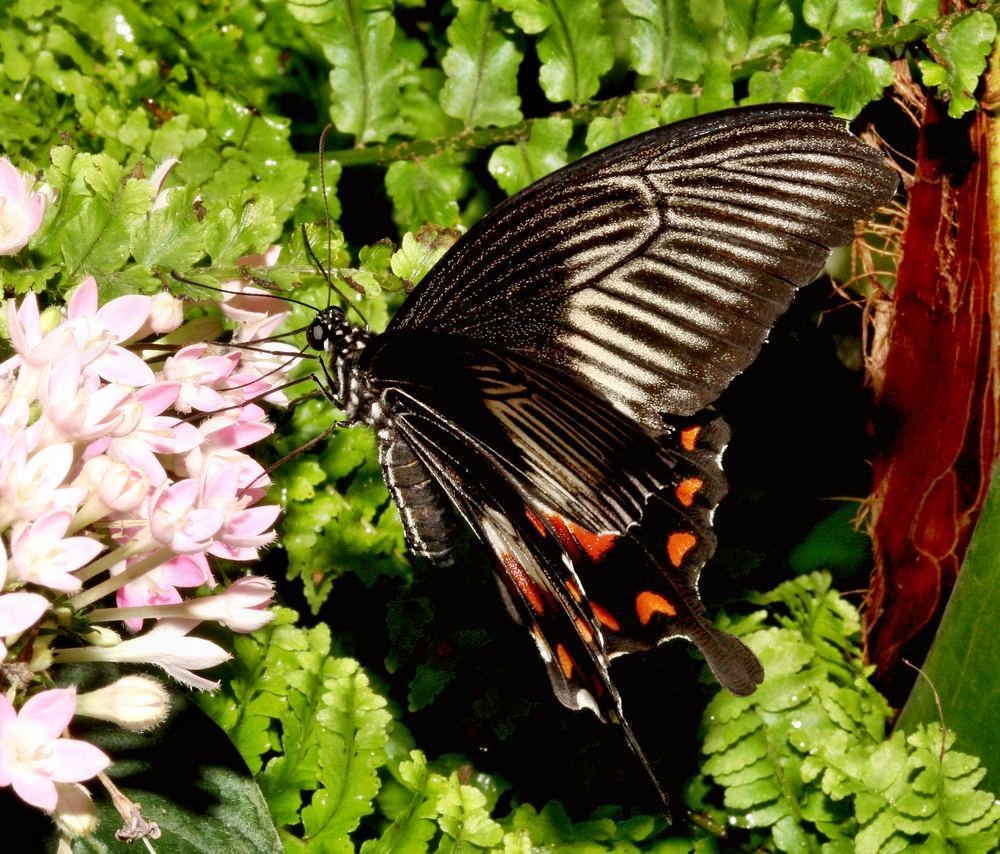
x=357 y=37
x=574 y=47
x=481 y=64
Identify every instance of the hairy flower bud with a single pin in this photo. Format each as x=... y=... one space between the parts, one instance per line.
x=136 y=703
x=75 y=813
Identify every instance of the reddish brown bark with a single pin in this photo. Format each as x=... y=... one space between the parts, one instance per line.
x=937 y=395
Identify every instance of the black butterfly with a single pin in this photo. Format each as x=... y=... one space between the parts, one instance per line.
x=547 y=378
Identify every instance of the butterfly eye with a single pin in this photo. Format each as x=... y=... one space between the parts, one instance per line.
x=316 y=335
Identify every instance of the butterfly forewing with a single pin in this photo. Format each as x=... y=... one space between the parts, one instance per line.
x=654 y=269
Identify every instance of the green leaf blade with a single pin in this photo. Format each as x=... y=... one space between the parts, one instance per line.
x=481 y=64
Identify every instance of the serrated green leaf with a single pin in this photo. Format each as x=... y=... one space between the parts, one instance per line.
x=464 y=816
x=425 y=191
x=354 y=720
x=664 y=43
x=840 y=76
x=358 y=39
x=171 y=237
x=913 y=10
x=639 y=116
x=834 y=17
x=481 y=64
x=574 y=47
x=753 y=29
x=963 y=49
x=419 y=252
x=516 y=166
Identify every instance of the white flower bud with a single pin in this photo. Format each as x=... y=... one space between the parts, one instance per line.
x=102 y=636
x=75 y=813
x=166 y=314
x=136 y=703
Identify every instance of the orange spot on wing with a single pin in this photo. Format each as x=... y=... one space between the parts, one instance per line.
x=689 y=437
x=566 y=663
x=678 y=545
x=573 y=537
x=648 y=603
x=595 y=545
x=583 y=630
x=536 y=520
x=574 y=590
x=687 y=489
x=525 y=586
x=605 y=617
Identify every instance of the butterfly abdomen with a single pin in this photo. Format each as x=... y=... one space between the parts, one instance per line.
x=428 y=522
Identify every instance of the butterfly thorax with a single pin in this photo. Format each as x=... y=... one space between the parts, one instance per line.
x=348 y=385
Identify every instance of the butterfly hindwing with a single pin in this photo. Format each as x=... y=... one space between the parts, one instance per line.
x=654 y=269
x=520 y=443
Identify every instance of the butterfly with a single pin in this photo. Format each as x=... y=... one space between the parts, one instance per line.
x=549 y=380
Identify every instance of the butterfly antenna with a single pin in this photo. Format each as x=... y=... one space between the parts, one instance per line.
x=326 y=206
x=325 y=269
x=301 y=449
x=326 y=275
x=220 y=290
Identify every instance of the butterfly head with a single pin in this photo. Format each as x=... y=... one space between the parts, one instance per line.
x=341 y=342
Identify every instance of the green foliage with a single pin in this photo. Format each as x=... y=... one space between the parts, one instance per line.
x=314 y=731
x=961 y=52
x=481 y=66
x=573 y=44
x=957 y=686
x=805 y=757
x=802 y=765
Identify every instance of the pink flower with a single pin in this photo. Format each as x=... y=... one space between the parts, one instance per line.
x=21 y=210
x=82 y=410
x=113 y=485
x=242 y=607
x=25 y=324
x=33 y=754
x=166 y=313
x=136 y=703
x=177 y=520
x=243 y=529
x=42 y=554
x=104 y=329
x=198 y=373
x=155 y=437
x=18 y=610
x=159 y=585
x=31 y=486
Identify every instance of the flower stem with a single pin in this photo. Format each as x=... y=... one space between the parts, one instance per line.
x=111 y=585
x=96 y=567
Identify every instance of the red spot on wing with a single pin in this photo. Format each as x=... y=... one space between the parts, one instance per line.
x=595 y=545
x=687 y=489
x=566 y=663
x=648 y=603
x=573 y=537
x=678 y=545
x=535 y=520
x=689 y=437
x=605 y=617
x=522 y=581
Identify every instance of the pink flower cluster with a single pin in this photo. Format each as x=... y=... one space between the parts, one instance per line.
x=122 y=470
